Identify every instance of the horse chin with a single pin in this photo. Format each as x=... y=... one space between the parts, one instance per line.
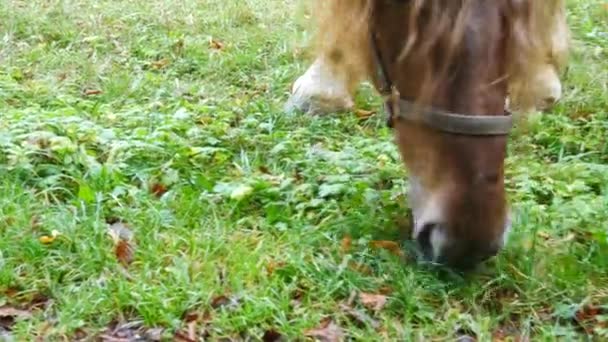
x=319 y=91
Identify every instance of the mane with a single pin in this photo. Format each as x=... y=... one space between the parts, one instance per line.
x=343 y=31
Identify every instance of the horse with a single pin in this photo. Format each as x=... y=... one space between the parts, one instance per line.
x=452 y=73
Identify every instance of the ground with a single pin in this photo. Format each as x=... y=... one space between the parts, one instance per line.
x=149 y=177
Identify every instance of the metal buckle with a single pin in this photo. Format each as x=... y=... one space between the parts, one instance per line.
x=391 y=106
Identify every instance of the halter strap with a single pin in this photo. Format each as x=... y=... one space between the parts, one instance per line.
x=399 y=108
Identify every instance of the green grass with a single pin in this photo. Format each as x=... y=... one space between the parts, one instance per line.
x=208 y=124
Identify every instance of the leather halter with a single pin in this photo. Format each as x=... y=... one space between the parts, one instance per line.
x=400 y=108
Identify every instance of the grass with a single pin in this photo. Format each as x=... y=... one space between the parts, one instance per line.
x=105 y=104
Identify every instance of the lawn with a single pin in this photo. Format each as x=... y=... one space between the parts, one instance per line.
x=151 y=185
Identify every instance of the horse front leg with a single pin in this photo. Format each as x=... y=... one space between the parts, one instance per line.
x=326 y=87
x=542 y=88
x=341 y=63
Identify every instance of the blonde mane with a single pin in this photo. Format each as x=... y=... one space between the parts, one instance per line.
x=342 y=39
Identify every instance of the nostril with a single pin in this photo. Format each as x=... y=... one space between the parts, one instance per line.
x=549 y=101
x=424 y=239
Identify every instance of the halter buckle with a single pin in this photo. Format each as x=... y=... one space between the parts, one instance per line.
x=391 y=106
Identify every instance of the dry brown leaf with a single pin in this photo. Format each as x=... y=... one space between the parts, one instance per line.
x=46 y=240
x=154 y=334
x=91 y=92
x=35 y=221
x=272 y=266
x=346 y=244
x=361 y=318
x=120 y=231
x=297 y=296
x=505 y=334
x=385 y=290
x=119 y=331
x=181 y=337
x=364 y=114
x=123 y=242
x=375 y=302
x=11 y=292
x=8 y=317
x=223 y=301
x=215 y=44
x=80 y=334
x=390 y=246
x=360 y=267
x=158 y=189
x=160 y=64
x=124 y=252
x=108 y=338
x=588 y=318
x=11 y=312
x=192 y=320
x=328 y=331
x=192 y=330
x=272 y=336
x=544 y=235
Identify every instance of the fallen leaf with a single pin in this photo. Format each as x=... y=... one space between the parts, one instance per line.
x=346 y=244
x=544 y=235
x=390 y=246
x=37 y=301
x=215 y=44
x=223 y=301
x=386 y=290
x=48 y=239
x=35 y=222
x=272 y=336
x=466 y=338
x=264 y=169
x=360 y=317
x=80 y=334
x=272 y=266
x=125 y=332
x=124 y=252
x=241 y=192
x=158 y=189
x=181 y=337
x=154 y=334
x=160 y=64
x=8 y=317
x=192 y=332
x=364 y=114
x=505 y=334
x=123 y=242
x=360 y=267
x=297 y=296
x=11 y=292
x=328 y=331
x=91 y=92
x=588 y=317
x=119 y=230
x=372 y=301
x=8 y=311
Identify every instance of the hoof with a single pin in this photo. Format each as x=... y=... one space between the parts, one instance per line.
x=318 y=91
x=545 y=89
